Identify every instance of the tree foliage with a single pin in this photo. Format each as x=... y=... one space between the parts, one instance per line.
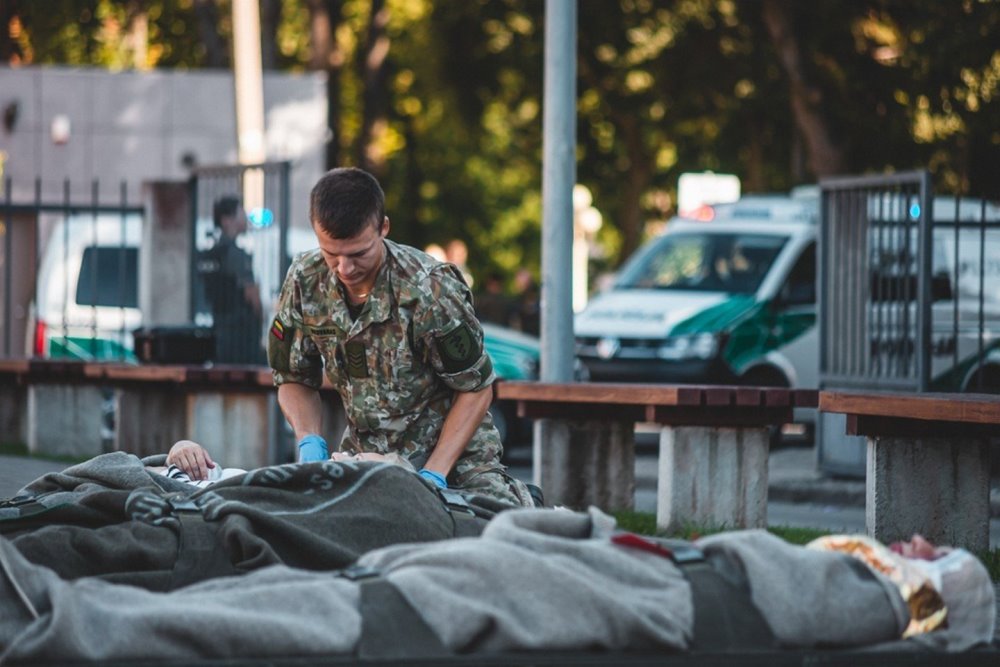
x=443 y=98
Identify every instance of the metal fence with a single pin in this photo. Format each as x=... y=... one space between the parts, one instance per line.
x=908 y=296
x=242 y=247
x=69 y=271
x=70 y=265
x=907 y=293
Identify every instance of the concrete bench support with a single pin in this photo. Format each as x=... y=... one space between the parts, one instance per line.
x=938 y=487
x=13 y=413
x=65 y=420
x=149 y=422
x=234 y=427
x=714 y=476
x=586 y=463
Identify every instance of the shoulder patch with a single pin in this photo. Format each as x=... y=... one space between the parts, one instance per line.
x=459 y=349
x=278 y=329
x=279 y=346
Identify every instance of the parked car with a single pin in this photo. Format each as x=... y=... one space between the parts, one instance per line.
x=515 y=356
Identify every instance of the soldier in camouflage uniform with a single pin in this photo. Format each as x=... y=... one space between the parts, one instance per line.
x=396 y=333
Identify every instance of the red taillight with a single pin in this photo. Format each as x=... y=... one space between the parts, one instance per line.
x=703 y=213
x=41 y=348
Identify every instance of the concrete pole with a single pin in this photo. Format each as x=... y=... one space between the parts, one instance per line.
x=558 y=179
x=551 y=441
x=249 y=97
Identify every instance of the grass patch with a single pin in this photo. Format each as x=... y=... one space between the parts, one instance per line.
x=13 y=449
x=644 y=523
x=991 y=559
x=21 y=449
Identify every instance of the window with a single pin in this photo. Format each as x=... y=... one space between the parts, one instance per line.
x=109 y=277
x=800 y=289
x=733 y=263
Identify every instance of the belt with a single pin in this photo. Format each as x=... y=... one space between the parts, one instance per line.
x=391 y=629
x=725 y=617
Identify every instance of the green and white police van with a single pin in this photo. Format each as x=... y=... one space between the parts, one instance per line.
x=727 y=298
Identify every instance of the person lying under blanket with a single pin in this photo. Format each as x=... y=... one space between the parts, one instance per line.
x=535 y=579
x=117 y=517
x=189 y=462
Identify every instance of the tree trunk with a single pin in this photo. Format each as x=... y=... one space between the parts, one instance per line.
x=328 y=55
x=10 y=50
x=216 y=52
x=270 y=17
x=636 y=182
x=375 y=97
x=825 y=157
x=754 y=180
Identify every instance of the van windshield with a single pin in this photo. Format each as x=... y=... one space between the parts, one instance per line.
x=702 y=262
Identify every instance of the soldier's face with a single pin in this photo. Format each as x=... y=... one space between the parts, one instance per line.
x=356 y=260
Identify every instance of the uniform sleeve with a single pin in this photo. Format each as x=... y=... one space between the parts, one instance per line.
x=291 y=353
x=446 y=326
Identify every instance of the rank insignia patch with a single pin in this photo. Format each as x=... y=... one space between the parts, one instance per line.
x=357 y=362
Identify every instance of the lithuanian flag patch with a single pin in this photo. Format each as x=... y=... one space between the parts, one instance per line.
x=278 y=329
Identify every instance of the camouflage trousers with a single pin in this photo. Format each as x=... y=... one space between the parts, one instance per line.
x=496 y=483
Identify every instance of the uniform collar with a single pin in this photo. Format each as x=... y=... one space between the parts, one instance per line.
x=379 y=306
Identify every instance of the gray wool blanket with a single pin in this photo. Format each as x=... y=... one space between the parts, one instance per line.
x=111 y=518
x=534 y=579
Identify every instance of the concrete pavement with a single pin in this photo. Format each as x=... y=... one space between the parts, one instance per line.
x=16 y=471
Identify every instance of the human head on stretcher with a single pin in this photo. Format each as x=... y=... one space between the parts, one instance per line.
x=939 y=584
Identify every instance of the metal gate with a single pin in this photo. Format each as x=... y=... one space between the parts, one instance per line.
x=241 y=253
x=69 y=271
x=907 y=299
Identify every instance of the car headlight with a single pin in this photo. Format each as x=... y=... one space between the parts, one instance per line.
x=694 y=346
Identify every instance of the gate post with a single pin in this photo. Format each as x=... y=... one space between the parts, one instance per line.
x=166 y=253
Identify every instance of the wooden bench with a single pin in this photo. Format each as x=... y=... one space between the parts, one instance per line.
x=928 y=468
x=56 y=407
x=714 y=443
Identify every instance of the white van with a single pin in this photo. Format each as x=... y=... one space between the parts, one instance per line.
x=728 y=298
x=87 y=293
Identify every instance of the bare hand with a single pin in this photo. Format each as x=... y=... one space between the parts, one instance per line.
x=190 y=457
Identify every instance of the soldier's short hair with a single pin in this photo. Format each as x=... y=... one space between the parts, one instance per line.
x=224 y=207
x=344 y=200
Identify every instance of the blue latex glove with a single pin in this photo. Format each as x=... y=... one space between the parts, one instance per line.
x=435 y=477
x=312 y=448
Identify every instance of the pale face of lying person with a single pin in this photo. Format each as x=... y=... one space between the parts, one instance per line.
x=918 y=548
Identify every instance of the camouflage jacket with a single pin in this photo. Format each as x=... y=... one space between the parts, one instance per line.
x=397 y=366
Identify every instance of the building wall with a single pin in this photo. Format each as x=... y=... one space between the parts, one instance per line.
x=138 y=126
